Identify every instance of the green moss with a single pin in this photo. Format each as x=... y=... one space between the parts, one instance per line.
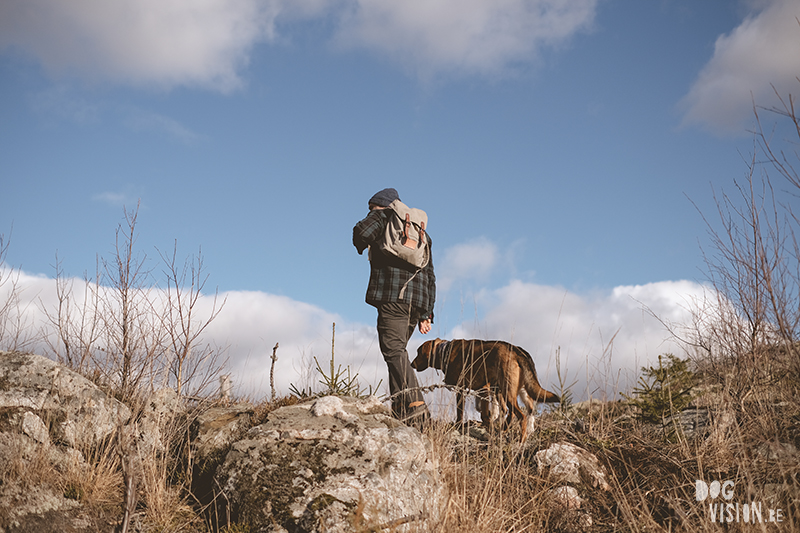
x=278 y=480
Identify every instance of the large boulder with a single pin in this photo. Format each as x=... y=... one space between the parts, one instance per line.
x=334 y=465
x=74 y=409
x=49 y=417
x=213 y=432
x=159 y=419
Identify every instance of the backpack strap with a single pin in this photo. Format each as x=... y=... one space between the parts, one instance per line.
x=408 y=242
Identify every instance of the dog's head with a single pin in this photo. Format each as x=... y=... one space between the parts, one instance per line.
x=425 y=354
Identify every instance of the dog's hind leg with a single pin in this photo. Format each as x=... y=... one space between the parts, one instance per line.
x=515 y=412
x=529 y=403
x=459 y=408
x=513 y=388
x=496 y=407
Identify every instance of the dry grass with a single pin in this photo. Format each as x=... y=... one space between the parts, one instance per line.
x=652 y=473
x=495 y=485
x=96 y=480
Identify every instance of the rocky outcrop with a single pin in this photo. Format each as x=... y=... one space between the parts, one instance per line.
x=73 y=409
x=49 y=417
x=213 y=432
x=333 y=465
x=330 y=464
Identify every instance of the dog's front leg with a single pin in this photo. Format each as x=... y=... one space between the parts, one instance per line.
x=459 y=408
x=488 y=406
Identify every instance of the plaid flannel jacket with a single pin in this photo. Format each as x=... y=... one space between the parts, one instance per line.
x=388 y=275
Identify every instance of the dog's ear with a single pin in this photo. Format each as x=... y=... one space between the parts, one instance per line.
x=430 y=348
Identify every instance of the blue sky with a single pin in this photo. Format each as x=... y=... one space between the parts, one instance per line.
x=559 y=148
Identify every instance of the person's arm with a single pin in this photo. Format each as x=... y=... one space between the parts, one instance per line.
x=368 y=231
x=427 y=319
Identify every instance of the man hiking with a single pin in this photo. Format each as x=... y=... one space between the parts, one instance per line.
x=403 y=294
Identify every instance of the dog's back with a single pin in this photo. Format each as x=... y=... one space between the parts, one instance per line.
x=471 y=364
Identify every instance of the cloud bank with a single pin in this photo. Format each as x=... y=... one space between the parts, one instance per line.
x=759 y=57
x=162 y=43
x=463 y=36
x=470 y=261
x=169 y=43
x=172 y=43
x=602 y=339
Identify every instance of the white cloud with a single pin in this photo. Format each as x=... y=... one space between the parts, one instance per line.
x=126 y=198
x=246 y=330
x=603 y=338
x=169 y=43
x=62 y=103
x=114 y=199
x=142 y=42
x=758 y=55
x=463 y=36
x=251 y=323
x=472 y=260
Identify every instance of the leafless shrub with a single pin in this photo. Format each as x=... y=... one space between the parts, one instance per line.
x=133 y=336
x=188 y=363
x=745 y=332
x=16 y=333
x=74 y=322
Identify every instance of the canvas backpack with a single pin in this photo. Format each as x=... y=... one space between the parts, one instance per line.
x=405 y=236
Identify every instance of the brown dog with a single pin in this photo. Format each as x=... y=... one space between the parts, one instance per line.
x=491 y=368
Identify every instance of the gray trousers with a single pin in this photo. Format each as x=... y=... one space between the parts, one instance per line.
x=396 y=323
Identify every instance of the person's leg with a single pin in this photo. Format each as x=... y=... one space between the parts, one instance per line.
x=395 y=326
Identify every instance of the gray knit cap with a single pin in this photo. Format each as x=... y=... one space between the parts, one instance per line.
x=384 y=198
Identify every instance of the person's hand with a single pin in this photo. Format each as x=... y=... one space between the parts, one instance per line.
x=425 y=326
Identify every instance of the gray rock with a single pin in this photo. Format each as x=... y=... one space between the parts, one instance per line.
x=565 y=498
x=215 y=429
x=78 y=412
x=567 y=463
x=29 y=503
x=693 y=423
x=33 y=427
x=161 y=414
x=335 y=465
x=566 y=503
x=48 y=416
x=784 y=452
x=40 y=509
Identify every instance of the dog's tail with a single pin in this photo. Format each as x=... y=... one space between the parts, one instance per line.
x=530 y=380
